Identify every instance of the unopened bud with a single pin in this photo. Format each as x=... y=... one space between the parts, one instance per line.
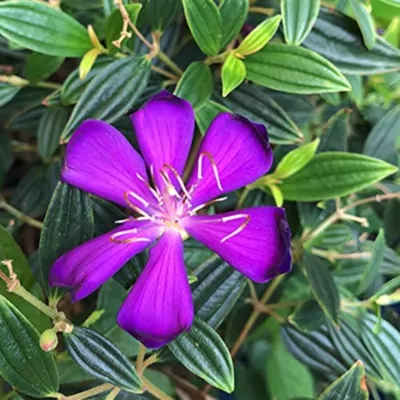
x=48 y=340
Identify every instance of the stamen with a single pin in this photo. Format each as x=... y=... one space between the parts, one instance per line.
x=170 y=187
x=213 y=165
x=179 y=179
x=238 y=230
x=208 y=203
x=152 y=190
x=127 y=232
x=137 y=209
x=126 y=241
x=121 y=221
x=137 y=197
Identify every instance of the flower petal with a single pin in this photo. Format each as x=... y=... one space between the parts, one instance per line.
x=164 y=128
x=101 y=161
x=235 y=151
x=159 y=306
x=255 y=241
x=85 y=268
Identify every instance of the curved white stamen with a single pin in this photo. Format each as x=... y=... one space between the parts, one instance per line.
x=213 y=165
x=137 y=209
x=127 y=232
x=199 y=207
x=238 y=230
x=179 y=179
x=121 y=221
x=137 y=197
x=153 y=191
x=170 y=187
x=132 y=240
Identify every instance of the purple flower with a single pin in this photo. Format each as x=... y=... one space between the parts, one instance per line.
x=234 y=152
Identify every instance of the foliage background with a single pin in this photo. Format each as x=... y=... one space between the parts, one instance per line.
x=324 y=80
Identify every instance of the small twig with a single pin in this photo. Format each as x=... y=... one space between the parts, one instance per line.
x=113 y=394
x=155 y=391
x=262 y=10
x=167 y=74
x=20 y=215
x=333 y=255
x=151 y=360
x=168 y=62
x=140 y=359
x=91 y=392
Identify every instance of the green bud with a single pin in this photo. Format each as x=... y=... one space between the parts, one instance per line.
x=48 y=340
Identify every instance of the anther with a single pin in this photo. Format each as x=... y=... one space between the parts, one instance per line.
x=134 y=208
x=213 y=165
x=114 y=237
x=208 y=203
x=153 y=191
x=137 y=197
x=179 y=179
x=170 y=187
x=238 y=230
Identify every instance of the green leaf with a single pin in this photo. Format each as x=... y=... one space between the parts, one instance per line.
x=392 y=32
x=39 y=27
x=39 y=67
x=216 y=291
x=100 y=358
x=308 y=316
x=9 y=250
x=296 y=160
x=23 y=364
x=288 y=69
x=336 y=132
x=286 y=377
x=322 y=285
x=204 y=353
x=372 y=269
x=207 y=112
x=314 y=349
x=205 y=23
x=338 y=38
x=357 y=89
x=68 y=223
x=256 y=104
x=73 y=86
x=233 y=14
x=348 y=343
x=49 y=132
x=159 y=14
x=381 y=141
x=196 y=84
x=384 y=296
x=299 y=17
x=233 y=74
x=111 y=93
x=115 y=23
x=334 y=174
x=351 y=385
x=7 y=92
x=394 y=3
x=365 y=22
x=259 y=36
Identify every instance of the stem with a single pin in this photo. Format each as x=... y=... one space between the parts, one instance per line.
x=255 y=314
x=243 y=197
x=20 y=215
x=167 y=74
x=113 y=394
x=167 y=61
x=155 y=391
x=338 y=214
x=91 y=392
x=262 y=10
x=48 y=85
x=140 y=359
x=151 y=360
x=22 y=146
x=333 y=255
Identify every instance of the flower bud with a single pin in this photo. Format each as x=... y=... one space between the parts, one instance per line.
x=48 y=340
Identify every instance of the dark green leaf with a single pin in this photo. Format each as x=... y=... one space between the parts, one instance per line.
x=42 y=28
x=372 y=269
x=73 y=86
x=314 y=349
x=68 y=223
x=22 y=362
x=334 y=174
x=39 y=67
x=216 y=290
x=7 y=92
x=308 y=316
x=100 y=358
x=204 y=353
x=205 y=23
x=111 y=93
x=49 y=132
x=365 y=22
x=338 y=38
x=286 y=377
x=288 y=69
x=207 y=112
x=233 y=14
x=159 y=14
x=336 y=132
x=196 y=84
x=351 y=385
x=322 y=285
x=381 y=140
x=298 y=19
x=255 y=104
